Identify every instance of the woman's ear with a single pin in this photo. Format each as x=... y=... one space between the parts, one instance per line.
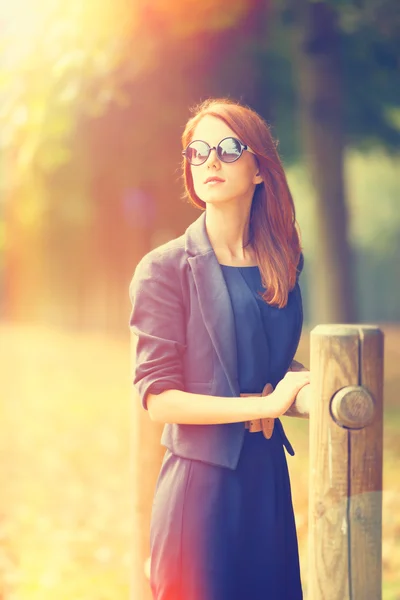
x=257 y=178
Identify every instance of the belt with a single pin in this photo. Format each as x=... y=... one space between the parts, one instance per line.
x=265 y=425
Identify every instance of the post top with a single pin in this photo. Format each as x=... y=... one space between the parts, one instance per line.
x=346 y=330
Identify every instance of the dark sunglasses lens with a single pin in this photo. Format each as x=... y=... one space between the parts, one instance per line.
x=197 y=153
x=229 y=149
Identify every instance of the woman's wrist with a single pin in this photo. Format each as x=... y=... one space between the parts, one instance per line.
x=267 y=406
x=255 y=407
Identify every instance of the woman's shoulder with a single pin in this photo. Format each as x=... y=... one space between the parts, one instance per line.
x=161 y=261
x=167 y=252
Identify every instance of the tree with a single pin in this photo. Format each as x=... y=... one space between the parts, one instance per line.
x=321 y=108
x=330 y=85
x=325 y=54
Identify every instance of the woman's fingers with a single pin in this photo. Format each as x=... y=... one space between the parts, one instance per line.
x=268 y=389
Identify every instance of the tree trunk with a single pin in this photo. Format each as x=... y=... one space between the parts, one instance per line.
x=317 y=49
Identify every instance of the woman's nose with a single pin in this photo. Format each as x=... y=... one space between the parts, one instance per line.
x=213 y=158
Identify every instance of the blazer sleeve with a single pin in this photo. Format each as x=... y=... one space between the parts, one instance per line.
x=157 y=325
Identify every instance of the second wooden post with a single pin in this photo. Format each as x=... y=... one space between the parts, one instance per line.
x=345 y=503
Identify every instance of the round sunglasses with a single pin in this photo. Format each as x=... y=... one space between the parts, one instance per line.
x=228 y=150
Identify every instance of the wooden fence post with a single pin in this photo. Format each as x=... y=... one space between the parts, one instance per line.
x=346 y=435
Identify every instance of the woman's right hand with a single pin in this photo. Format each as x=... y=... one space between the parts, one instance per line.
x=286 y=391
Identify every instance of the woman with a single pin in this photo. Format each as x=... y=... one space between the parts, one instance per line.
x=217 y=315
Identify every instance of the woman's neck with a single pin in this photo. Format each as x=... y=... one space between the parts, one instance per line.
x=229 y=233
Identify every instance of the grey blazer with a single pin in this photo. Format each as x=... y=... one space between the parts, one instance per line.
x=185 y=339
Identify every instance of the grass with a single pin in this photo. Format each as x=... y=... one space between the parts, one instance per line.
x=66 y=497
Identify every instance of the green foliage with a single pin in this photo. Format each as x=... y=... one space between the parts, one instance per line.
x=75 y=58
x=277 y=92
x=48 y=63
x=369 y=44
x=370 y=55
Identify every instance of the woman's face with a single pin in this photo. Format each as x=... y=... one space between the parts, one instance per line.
x=239 y=178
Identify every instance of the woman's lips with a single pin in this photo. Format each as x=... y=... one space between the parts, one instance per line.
x=214 y=181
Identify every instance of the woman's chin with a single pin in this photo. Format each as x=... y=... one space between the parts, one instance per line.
x=216 y=199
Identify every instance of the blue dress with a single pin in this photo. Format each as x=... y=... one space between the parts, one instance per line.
x=222 y=534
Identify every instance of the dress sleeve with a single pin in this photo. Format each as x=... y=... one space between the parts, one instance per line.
x=157 y=325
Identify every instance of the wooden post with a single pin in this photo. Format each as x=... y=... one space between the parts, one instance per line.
x=346 y=435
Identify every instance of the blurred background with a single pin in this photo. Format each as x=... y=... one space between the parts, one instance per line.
x=94 y=97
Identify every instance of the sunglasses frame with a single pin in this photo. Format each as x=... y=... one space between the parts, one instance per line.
x=210 y=148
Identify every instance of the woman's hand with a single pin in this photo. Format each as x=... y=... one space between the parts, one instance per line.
x=286 y=391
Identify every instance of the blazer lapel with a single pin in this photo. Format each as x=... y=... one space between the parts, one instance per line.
x=214 y=301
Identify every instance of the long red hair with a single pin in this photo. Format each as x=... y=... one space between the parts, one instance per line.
x=273 y=227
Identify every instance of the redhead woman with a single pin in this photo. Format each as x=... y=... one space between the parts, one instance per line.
x=217 y=316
